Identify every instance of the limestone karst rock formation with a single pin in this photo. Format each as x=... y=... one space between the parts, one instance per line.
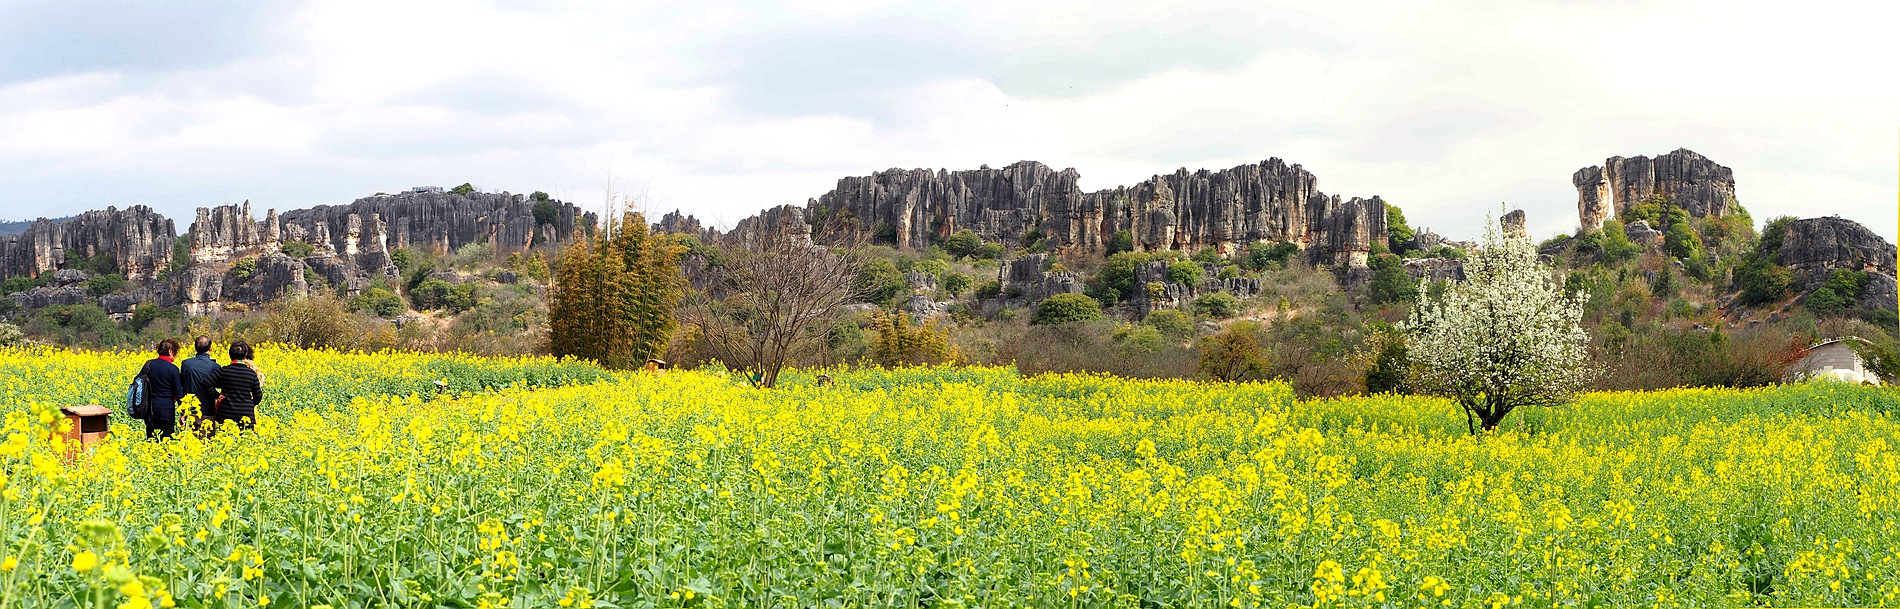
x=135 y=241
x=442 y=222
x=1027 y=280
x=782 y=224
x=1814 y=247
x=1154 y=291
x=1030 y=202
x=1690 y=180
x=349 y=246
x=1514 y=224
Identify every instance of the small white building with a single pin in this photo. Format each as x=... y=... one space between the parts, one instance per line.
x=421 y=189
x=1832 y=359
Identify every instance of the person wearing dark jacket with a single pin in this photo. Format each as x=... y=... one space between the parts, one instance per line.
x=240 y=388
x=162 y=391
x=197 y=372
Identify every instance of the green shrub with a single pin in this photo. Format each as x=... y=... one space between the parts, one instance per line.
x=377 y=301
x=100 y=285
x=1117 y=275
x=955 y=284
x=22 y=284
x=1187 y=273
x=1399 y=235
x=1139 y=339
x=1065 y=309
x=1389 y=281
x=879 y=281
x=1171 y=322
x=1263 y=254
x=243 y=268
x=989 y=289
x=1121 y=241
x=1234 y=355
x=1218 y=305
x=1762 y=281
x=297 y=249
x=963 y=243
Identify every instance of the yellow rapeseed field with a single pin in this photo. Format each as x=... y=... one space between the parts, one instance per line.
x=938 y=487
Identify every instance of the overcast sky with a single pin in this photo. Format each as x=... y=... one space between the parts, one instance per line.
x=722 y=109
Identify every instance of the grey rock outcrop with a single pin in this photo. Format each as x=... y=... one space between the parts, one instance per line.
x=1640 y=233
x=1434 y=269
x=1024 y=280
x=443 y=221
x=922 y=308
x=51 y=296
x=1028 y=202
x=135 y=241
x=226 y=232
x=198 y=289
x=1514 y=224
x=1154 y=290
x=920 y=282
x=1814 y=247
x=1689 y=180
x=65 y=277
x=782 y=224
x=675 y=223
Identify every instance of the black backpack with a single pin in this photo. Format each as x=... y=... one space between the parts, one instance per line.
x=138 y=397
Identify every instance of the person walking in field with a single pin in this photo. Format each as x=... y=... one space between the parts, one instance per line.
x=198 y=373
x=240 y=388
x=162 y=391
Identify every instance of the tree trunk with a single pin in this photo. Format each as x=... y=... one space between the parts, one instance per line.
x=1492 y=418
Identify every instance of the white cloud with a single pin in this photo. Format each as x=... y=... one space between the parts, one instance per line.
x=724 y=108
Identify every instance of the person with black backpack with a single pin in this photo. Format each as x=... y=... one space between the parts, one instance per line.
x=160 y=394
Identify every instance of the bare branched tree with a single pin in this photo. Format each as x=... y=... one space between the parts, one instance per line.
x=769 y=301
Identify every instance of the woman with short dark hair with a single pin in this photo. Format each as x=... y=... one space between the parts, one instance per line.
x=162 y=391
x=239 y=387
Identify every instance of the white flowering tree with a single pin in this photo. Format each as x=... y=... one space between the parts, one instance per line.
x=1504 y=338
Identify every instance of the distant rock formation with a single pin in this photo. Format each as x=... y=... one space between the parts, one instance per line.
x=1153 y=290
x=782 y=224
x=1029 y=202
x=1639 y=232
x=442 y=222
x=1026 y=280
x=1814 y=247
x=1514 y=225
x=1434 y=269
x=1689 y=180
x=349 y=246
x=135 y=241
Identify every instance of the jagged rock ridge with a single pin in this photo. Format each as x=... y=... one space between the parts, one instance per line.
x=445 y=221
x=1814 y=247
x=1028 y=201
x=136 y=241
x=349 y=246
x=1690 y=180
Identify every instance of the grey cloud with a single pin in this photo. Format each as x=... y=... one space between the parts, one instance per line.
x=48 y=39
x=851 y=67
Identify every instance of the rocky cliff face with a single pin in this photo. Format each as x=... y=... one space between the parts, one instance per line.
x=1814 y=247
x=136 y=241
x=1029 y=202
x=348 y=258
x=1689 y=180
x=443 y=222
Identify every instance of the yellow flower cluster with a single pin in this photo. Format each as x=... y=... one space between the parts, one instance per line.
x=958 y=487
